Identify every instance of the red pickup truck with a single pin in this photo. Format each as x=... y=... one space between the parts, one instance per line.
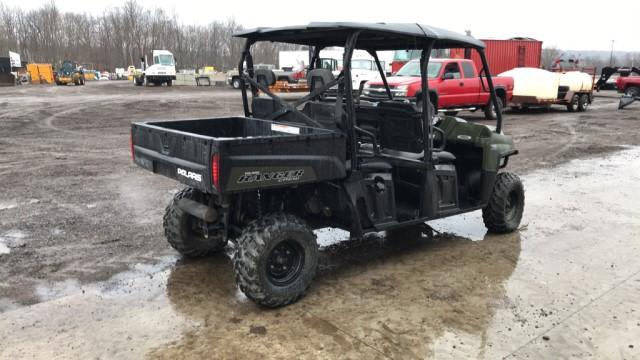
x=454 y=85
x=629 y=85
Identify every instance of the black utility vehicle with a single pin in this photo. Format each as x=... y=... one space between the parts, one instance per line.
x=265 y=180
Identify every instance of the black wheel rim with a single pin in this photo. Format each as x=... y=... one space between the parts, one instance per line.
x=285 y=262
x=512 y=205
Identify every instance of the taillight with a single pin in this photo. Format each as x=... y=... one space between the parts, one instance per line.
x=133 y=155
x=215 y=170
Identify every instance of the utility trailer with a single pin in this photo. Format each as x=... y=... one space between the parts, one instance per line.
x=541 y=88
x=267 y=179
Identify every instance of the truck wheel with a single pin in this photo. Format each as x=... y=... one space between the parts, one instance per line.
x=180 y=229
x=236 y=83
x=451 y=113
x=583 y=102
x=632 y=91
x=169 y=82
x=572 y=106
x=276 y=259
x=489 y=110
x=506 y=205
x=432 y=111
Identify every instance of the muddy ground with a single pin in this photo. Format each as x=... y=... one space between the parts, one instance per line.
x=84 y=265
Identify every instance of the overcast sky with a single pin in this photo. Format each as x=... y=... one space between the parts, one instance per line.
x=569 y=25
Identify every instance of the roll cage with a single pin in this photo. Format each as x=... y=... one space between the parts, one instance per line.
x=351 y=36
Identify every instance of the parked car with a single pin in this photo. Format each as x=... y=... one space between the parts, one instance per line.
x=454 y=85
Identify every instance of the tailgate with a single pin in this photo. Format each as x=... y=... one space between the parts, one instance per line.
x=182 y=156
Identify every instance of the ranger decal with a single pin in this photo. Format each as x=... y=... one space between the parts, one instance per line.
x=279 y=176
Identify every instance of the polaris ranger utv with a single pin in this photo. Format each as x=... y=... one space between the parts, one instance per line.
x=267 y=179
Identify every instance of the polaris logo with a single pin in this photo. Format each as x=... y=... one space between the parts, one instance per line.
x=190 y=175
x=278 y=176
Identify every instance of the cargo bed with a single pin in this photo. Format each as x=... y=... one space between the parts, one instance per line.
x=233 y=154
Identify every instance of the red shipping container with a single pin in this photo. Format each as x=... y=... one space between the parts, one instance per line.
x=504 y=55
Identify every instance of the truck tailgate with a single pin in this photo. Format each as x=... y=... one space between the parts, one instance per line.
x=174 y=154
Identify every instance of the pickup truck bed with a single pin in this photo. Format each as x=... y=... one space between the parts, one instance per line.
x=233 y=154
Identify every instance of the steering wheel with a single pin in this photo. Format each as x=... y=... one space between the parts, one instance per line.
x=438 y=137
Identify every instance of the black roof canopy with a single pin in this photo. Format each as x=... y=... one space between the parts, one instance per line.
x=375 y=36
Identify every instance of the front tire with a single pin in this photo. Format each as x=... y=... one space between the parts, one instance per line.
x=504 y=211
x=236 y=83
x=276 y=259
x=181 y=229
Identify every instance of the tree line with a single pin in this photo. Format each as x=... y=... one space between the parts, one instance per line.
x=120 y=36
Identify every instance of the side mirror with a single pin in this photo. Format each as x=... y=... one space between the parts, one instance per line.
x=448 y=76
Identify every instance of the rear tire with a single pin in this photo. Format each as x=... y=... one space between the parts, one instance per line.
x=451 y=113
x=632 y=91
x=169 y=82
x=489 y=110
x=583 y=102
x=179 y=229
x=276 y=259
x=504 y=211
x=432 y=108
x=572 y=106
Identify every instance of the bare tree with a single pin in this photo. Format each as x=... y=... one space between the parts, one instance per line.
x=122 y=35
x=549 y=55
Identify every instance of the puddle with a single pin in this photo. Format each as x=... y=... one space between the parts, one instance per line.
x=119 y=284
x=6 y=205
x=11 y=239
x=449 y=296
x=469 y=225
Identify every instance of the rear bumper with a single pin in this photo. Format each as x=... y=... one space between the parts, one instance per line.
x=186 y=172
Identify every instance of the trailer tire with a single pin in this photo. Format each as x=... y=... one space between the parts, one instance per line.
x=179 y=233
x=275 y=260
x=632 y=91
x=504 y=211
x=583 y=102
x=169 y=82
x=572 y=106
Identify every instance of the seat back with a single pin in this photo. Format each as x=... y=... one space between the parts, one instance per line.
x=325 y=114
x=317 y=78
x=265 y=77
x=262 y=107
x=400 y=127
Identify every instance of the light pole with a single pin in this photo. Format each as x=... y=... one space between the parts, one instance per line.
x=611 y=55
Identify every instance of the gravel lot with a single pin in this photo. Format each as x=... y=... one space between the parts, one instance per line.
x=84 y=263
